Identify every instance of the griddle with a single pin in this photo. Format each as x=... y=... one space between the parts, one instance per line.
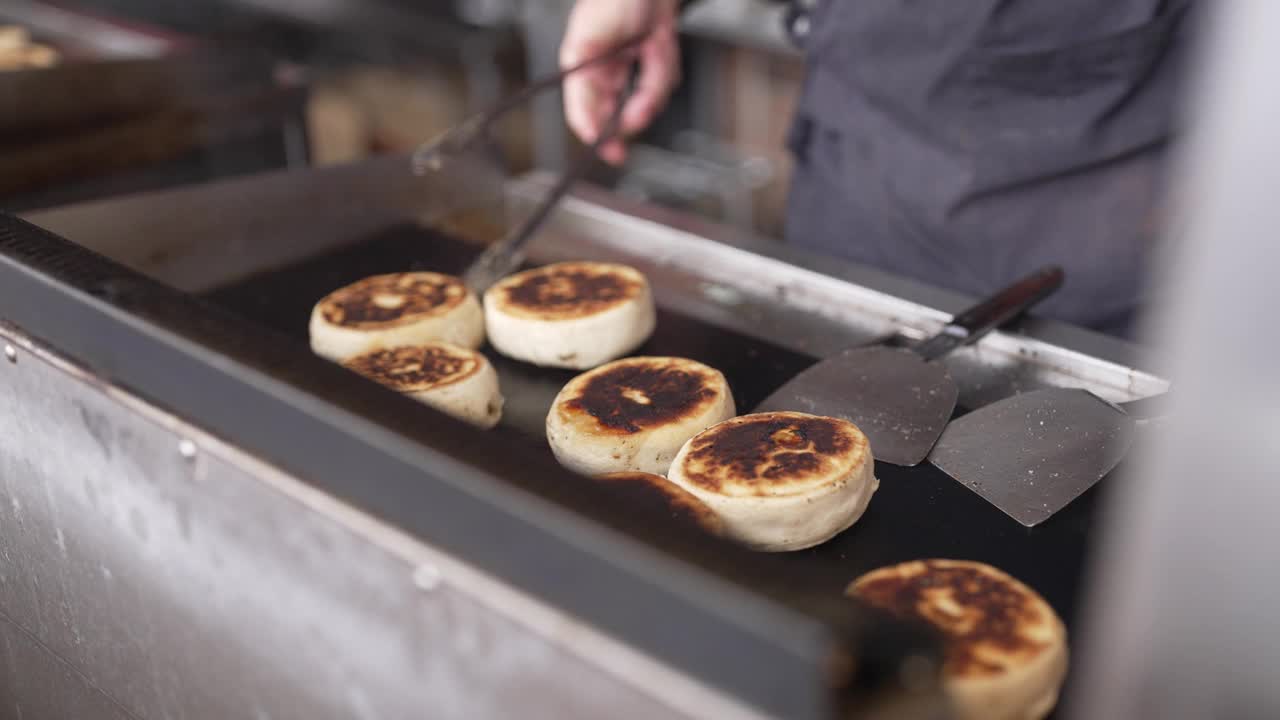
x=231 y=356
x=918 y=512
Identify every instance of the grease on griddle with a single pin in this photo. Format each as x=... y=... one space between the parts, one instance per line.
x=760 y=452
x=416 y=368
x=634 y=395
x=387 y=299
x=982 y=615
x=569 y=290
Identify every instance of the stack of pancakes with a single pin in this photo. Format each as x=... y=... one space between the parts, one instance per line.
x=415 y=333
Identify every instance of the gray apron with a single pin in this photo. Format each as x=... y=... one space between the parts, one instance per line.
x=966 y=142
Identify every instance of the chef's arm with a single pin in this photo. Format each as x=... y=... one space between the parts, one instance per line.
x=596 y=26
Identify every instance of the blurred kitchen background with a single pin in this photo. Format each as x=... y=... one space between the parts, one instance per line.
x=106 y=97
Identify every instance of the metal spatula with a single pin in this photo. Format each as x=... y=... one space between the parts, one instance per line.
x=1032 y=454
x=900 y=398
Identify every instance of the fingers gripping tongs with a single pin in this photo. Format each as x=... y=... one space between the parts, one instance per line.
x=502 y=257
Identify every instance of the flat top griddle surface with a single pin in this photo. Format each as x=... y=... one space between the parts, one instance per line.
x=916 y=513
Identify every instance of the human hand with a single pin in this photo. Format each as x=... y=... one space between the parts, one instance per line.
x=595 y=27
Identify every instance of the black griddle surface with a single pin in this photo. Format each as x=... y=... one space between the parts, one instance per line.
x=916 y=513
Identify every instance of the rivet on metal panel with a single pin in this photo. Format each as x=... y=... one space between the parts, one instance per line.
x=187 y=449
x=11 y=353
x=427 y=577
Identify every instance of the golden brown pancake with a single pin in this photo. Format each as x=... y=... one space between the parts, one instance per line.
x=415 y=368
x=569 y=290
x=391 y=299
x=634 y=414
x=658 y=493
x=396 y=310
x=450 y=378
x=628 y=396
x=573 y=315
x=781 y=480
x=772 y=453
x=1004 y=647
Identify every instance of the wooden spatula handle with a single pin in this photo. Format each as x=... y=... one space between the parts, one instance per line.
x=972 y=324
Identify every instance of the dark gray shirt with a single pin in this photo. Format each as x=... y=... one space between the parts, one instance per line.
x=965 y=142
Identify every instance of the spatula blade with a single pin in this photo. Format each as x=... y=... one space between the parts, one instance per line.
x=1030 y=455
x=900 y=401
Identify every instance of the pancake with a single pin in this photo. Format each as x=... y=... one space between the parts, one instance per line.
x=660 y=494
x=634 y=414
x=572 y=315
x=780 y=480
x=394 y=310
x=1005 y=650
x=452 y=379
x=17 y=52
x=13 y=38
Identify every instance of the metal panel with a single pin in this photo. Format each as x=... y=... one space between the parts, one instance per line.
x=144 y=559
x=197 y=238
x=200 y=238
x=695 y=604
x=36 y=684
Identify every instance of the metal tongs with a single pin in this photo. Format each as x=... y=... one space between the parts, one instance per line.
x=502 y=257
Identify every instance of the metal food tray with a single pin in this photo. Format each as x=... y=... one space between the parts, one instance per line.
x=759 y=628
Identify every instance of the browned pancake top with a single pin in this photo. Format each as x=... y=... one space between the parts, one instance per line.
x=384 y=300
x=771 y=453
x=632 y=395
x=415 y=368
x=660 y=494
x=985 y=616
x=569 y=290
